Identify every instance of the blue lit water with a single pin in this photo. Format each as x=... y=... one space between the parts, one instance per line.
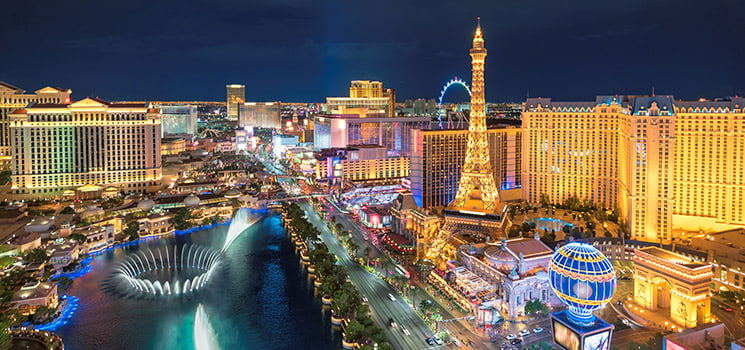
x=261 y=300
x=549 y=223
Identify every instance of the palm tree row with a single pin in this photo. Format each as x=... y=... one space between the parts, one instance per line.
x=347 y=301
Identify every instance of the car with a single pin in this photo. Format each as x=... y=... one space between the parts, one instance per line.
x=511 y=337
x=430 y=341
x=391 y=297
x=516 y=341
x=391 y=323
x=728 y=309
x=437 y=340
x=406 y=331
x=537 y=330
x=364 y=299
x=524 y=332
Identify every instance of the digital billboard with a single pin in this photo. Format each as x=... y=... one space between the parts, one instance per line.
x=672 y=346
x=597 y=341
x=565 y=337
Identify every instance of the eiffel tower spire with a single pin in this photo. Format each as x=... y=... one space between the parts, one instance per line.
x=476 y=211
x=477 y=189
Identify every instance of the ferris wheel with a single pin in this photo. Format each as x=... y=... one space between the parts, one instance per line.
x=454 y=81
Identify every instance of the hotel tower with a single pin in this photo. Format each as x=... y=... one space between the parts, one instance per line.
x=665 y=164
x=60 y=148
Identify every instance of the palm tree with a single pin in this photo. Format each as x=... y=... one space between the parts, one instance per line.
x=353 y=247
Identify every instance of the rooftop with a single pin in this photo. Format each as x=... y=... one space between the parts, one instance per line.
x=671 y=257
x=529 y=247
x=35 y=290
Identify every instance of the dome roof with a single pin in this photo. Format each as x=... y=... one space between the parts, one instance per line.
x=583 y=279
x=232 y=193
x=91 y=211
x=146 y=204
x=192 y=200
x=500 y=258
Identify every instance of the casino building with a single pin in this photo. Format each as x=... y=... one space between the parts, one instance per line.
x=12 y=98
x=59 y=148
x=665 y=163
x=517 y=268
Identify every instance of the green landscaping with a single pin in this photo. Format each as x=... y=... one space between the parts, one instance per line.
x=347 y=302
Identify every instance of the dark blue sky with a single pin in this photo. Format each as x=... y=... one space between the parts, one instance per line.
x=304 y=50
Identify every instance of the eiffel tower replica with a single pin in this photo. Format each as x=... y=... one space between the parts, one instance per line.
x=476 y=210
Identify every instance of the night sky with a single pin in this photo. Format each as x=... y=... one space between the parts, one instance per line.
x=304 y=50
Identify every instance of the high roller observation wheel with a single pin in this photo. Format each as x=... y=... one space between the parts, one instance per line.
x=454 y=81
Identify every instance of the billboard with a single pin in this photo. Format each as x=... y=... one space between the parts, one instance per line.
x=672 y=346
x=597 y=341
x=566 y=337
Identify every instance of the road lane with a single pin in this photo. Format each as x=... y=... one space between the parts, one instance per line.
x=376 y=291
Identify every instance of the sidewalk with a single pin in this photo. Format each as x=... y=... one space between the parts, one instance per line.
x=659 y=319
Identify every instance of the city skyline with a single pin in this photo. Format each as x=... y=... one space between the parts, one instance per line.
x=297 y=51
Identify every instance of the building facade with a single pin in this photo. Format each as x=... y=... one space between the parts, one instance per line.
x=178 y=119
x=365 y=97
x=394 y=134
x=670 y=281
x=664 y=163
x=368 y=163
x=34 y=295
x=517 y=267
x=437 y=158
x=260 y=115
x=13 y=98
x=236 y=96
x=58 y=147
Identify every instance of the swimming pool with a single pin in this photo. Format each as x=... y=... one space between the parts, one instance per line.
x=549 y=223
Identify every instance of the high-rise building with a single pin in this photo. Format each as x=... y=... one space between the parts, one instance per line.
x=12 y=98
x=178 y=119
x=437 y=158
x=360 y=163
x=476 y=211
x=260 y=115
x=365 y=97
x=236 y=96
x=59 y=148
x=339 y=131
x=420 y=106
x=663 y=163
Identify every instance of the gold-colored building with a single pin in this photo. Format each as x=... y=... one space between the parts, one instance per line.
x=365 y=97
x=12 y=98
x=60 y=147
x=671 y=282
x=236 y=95
x=172 y=146
x=361 y=163
x=664 y=163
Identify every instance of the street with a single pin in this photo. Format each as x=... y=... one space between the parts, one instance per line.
x=376 y=291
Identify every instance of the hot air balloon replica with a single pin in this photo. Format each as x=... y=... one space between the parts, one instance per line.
x=584 y=280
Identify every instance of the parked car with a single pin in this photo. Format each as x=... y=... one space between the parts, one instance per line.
x=524 y=332
x=511 y=337
x=516 y=341
x=438 y=341
x=537 y=330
